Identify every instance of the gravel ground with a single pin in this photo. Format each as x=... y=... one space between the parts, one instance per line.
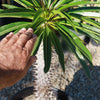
x=81 y=88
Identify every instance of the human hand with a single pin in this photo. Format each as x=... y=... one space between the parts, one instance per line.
x=15 y=56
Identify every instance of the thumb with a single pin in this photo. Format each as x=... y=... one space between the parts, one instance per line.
x=31 y=61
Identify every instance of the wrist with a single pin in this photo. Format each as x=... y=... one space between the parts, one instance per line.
x=2 y=79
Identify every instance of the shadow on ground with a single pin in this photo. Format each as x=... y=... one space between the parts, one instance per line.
x=81 y=88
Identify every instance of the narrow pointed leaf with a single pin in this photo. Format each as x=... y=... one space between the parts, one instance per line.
x=36 y=3
x=90 y=14
x=84 y=9
x=1 y=10
x=83 y=63
x=91 y=22
x=87 y=20
x=38 y=15
x=77 y=42
x=37 y=44
x=9 y=6
x=76 y=4
x=53 y=4
x=17 y=13
x=70 y=20
x=58 y=49
x=25 y=3
x=77 y=53
x=38 y=23
x=13 y=26
x=45 y=2
x=87 y=30
x=92 y=28
x=49 y=3
x=89 y=33
x=61 y=2
x=66 y=16
x=47 y=49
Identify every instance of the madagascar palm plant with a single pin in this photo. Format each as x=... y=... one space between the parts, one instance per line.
x=51 y=17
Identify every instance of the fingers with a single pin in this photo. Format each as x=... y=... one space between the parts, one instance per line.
x=7 y=38
x=24 y=38
x=16 y=36
x=29 y=45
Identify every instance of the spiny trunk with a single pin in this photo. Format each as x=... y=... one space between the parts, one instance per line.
x=55 y=78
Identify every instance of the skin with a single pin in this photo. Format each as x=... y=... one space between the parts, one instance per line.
x=15 y=56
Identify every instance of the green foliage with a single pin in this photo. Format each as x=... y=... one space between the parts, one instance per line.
x=50 y=17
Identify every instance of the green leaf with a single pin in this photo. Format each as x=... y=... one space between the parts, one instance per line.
x=38 y=30
x=1 y=10
x=38 y=15
x=76 y=51
x=47 y=49
x=48 y=4
x=45 y=2
x=36 y=3
x=87 y=20
x=65 y=16
x=68 y=17
x=12 y=26
x=53 y=4
x=37 y=44
x=17 y=13
x=88 y=31
x=17 y=30
x=71 y=4
x=58 y=49
x=92 y=28
x=91 y=22
x=83 y=63
x=87 y=27
x=61 y=2
x=25 y=3
x=84 y=9
x=9 y=6
x=90 y=14
x=38 y=23
x=77 y=42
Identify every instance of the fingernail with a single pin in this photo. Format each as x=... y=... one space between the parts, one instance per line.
x=34 y=35
x=23 y=29
x=11 y=33
x=35 y=58
x=30 y=29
